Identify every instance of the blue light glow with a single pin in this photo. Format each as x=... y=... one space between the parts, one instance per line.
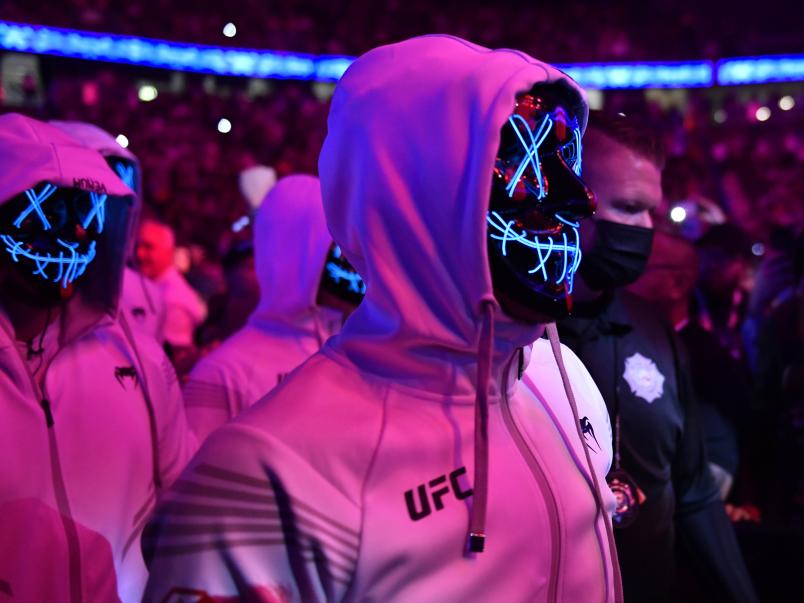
x=531 y=157
x=126 y=173
x=220 y=60
x=353 y=279
x=759 y=70
x=531 y=152
x=36 y=201
x=98 y=211
x=544 y=246
x=70 y=267
x=250 y=62
x=693 y=74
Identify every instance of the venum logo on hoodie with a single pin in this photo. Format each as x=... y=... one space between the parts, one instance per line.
x=89 y=184
x=121 y=373
x=436 y=489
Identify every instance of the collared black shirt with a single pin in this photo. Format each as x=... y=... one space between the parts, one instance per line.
x=642 y=372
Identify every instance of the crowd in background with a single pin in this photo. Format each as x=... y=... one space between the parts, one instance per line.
x=556 y=32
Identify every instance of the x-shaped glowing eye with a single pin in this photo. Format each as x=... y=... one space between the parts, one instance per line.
x=531 y=151
x=126 y=173
x=98 y=211
x=36 y=201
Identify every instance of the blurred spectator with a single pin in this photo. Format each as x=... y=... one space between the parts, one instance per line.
x=719 y=381
x=721 y=296
x=184 y=309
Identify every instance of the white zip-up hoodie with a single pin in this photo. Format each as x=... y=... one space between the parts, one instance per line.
x=140 y=299
x=88 y=444
x=356 y=478
x=290 y=247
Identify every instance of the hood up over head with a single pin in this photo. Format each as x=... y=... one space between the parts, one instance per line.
x=93 y=137
x=290 y=247
x=406 y=172
x=32 y=152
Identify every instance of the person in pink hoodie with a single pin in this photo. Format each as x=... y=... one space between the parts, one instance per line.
x=91 y=420
x=140 y=299
x=292 y=320
x=404 y=461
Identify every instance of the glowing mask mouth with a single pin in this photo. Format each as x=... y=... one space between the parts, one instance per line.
x=68 y=265
x=339 y=274
x=553 y=254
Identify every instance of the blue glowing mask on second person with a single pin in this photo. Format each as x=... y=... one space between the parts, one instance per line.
x=127 y=170
x=537 y=200
x=341 y=287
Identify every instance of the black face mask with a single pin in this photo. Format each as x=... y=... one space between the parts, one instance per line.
x=618 y=255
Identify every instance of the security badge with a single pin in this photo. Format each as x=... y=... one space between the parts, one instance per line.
x=643 y=377
x=646 y=382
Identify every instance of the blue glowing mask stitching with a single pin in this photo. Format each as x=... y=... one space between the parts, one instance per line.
x=69 y=268
x=36 y=201
x=336 y=273
x=532 y=151
x=544 y=246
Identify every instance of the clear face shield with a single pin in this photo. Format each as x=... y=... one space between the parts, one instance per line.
x=537 y=200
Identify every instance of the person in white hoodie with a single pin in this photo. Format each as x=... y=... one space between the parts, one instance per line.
x=403 y=461
x=92 y=423
x=291 y=245
x=140 y=298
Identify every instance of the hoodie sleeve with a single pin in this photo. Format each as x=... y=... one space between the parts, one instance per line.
x=210 y=398
x=250 y=519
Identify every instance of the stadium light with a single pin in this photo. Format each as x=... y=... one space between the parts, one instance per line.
x=761 y=70
x=254 y=63
x=230 y=30
x=693 y=74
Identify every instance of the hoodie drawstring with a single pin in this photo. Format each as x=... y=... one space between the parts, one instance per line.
x=477 y=519
x=555 y=344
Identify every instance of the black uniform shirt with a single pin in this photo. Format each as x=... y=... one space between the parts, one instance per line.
x=640 y=368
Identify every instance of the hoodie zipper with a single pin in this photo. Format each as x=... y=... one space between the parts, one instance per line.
x=74 y=560
x=549 y=497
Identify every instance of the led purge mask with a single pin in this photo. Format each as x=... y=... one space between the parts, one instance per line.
x=537 y=201
x=50 y=232
x=341 y=286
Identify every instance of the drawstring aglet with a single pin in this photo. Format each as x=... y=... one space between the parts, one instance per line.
x=477 y=542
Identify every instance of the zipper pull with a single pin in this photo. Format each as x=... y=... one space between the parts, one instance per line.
x=521 y=368
x=45 y=404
